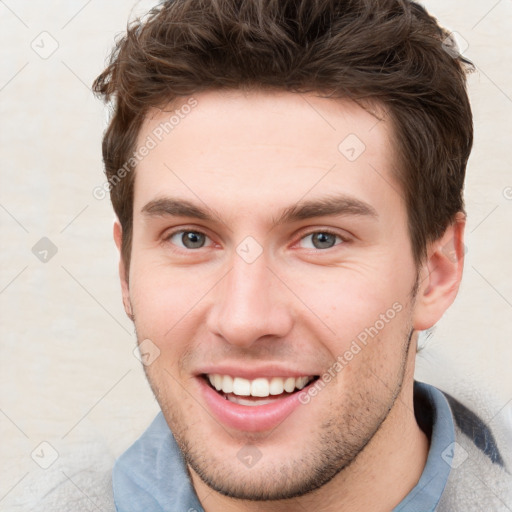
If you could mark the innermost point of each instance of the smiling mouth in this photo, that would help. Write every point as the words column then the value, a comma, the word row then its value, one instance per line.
column 259, row 391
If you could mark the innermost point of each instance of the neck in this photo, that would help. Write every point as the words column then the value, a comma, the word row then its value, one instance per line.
column 389, row 467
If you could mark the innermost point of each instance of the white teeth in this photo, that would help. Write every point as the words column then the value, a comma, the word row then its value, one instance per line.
column 260, row 387
column 227, row 384
column 276, row 386
column 217, row 382
column 289, row 384
column 241, row 387
column 301, row 382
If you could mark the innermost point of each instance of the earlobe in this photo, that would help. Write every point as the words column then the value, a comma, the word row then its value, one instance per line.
column 118, row 239
column 440, row 275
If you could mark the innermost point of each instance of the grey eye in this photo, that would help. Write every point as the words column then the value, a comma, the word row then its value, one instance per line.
column 189, row 239
column 320, row 240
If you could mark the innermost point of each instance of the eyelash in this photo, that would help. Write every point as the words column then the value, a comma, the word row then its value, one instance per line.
column 343, row 239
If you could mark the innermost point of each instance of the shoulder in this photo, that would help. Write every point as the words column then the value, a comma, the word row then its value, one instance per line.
column 86, row 490
column 479, row 478
column 80, row 479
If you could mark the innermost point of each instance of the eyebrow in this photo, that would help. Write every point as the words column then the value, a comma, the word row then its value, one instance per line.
column 178, row 208
column 327, row 206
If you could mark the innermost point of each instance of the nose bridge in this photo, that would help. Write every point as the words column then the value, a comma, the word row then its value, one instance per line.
column 248, row 305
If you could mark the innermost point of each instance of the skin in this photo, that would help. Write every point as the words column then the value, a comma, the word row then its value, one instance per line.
column 248, row 157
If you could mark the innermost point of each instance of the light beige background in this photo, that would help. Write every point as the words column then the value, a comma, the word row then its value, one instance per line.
column 68, row 375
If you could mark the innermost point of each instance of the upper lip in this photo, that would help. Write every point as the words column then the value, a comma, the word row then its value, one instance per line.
column 254, row 372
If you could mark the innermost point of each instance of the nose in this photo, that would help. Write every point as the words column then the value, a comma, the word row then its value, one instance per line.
column 250, row 304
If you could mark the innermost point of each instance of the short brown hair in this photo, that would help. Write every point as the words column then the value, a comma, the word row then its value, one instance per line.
column 391, row 52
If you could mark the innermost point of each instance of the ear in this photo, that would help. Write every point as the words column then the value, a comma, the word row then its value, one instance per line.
column 440, row 275
column 118, row 239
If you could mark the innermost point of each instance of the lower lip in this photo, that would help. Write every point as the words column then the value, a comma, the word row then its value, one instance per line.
column 251, row 418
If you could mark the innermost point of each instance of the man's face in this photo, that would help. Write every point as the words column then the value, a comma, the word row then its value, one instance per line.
column 295, row 255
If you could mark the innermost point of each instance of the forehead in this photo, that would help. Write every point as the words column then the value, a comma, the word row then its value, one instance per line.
column 245, row 150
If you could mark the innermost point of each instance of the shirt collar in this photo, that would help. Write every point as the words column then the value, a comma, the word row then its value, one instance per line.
column 435, row 418
column 152, row 476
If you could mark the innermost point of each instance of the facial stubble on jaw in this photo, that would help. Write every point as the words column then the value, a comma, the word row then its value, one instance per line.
column 335, row 450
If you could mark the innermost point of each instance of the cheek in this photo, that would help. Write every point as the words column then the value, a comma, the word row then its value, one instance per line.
column 362, row 317
column 165, row 302
column 350, row 299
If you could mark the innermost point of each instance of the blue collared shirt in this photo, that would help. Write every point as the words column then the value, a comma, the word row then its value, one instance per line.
column 151, row 476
